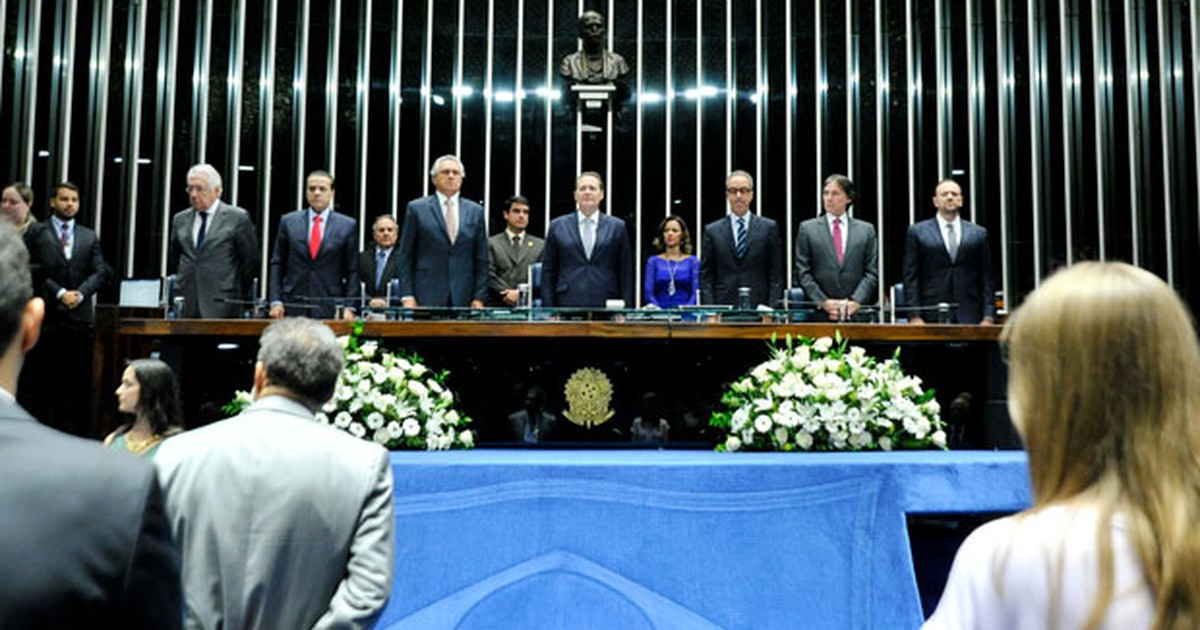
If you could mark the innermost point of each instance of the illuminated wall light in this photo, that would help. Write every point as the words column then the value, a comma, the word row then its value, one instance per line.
column 438, row 100
column 651, row 97
column 824, row 86
column 43, row 153
column 753, row 98
column 708, row 91
column 793, row 90
column 144, row 161
column 691, row 94
column 233, row 81
column 264, row 83
column 246, row 168
column 19, row 54
column 505, row 96
column 424, row 90
column 854, row 78
column 885, row 86
column 298, row 85
column 463, row 91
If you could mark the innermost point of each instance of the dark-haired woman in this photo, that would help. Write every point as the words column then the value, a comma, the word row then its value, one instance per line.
column 150, row 394
column 672, row 276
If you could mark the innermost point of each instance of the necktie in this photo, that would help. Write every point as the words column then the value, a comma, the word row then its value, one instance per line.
column 451, row 220
column 837, row 239
column 380, row 263
column 66, row 240
column 589, row 235
column 740, row 241
column 203, row 229
column 517, row 242
column 952, row 241
column 314, row 239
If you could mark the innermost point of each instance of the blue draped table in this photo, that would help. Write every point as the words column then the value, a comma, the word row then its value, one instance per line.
column 653, row 539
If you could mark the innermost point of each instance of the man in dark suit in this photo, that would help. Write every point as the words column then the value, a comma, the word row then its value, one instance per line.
column 86, row 540
column 836, row 255
column 587, row 259
column 70, row 267
column 756, row 263
column 443, row 244
column 947, row 260
column 379, row 264
column 213, row 250
column 315, row 256
column 511, row 252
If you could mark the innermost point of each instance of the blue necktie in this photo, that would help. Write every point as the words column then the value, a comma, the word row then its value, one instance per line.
column 741, row 237
column 380, row 263
column 203, row 229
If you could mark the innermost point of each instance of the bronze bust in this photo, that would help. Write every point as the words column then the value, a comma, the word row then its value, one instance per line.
column 593, row 64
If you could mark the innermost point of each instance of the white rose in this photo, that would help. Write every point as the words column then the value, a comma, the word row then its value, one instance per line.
column 804, row 440
column 374, row 420
column 418, row 389
column 344, row 393
column 740, row 419
column 368, row 349
column 394, row 429
column 885, row 443
column 322, row 418
column 732, row 443
column 760, row 372
column 452, row 417
column 357, row 430
column 403, row 364
column 446, row 396
column 363, row 386
column 433, row 386
column 800, row 357
column 781, row 435
column 342, row 420
column 344, row 341
column 467, row 438
column 381, row 436
column 330, row 406
column 412, row 428
column 939, row 438
column 356, row 405
column 823, row 344
column 418, row 370
column 762, row 424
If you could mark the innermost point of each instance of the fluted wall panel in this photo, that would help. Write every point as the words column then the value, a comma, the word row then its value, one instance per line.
column 1071, row 124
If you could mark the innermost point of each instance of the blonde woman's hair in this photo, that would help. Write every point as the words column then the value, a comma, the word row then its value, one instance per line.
column 1104, row 385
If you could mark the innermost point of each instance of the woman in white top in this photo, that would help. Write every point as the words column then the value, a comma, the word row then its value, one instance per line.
column 1104, row 386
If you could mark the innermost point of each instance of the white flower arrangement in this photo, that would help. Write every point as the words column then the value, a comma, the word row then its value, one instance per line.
column 392, row 399
column 824, row 395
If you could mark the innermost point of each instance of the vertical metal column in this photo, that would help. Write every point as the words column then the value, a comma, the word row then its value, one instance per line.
column 331, row 85
column 135, row 53
column 1005, row 97
column 299, row 87
column 266, row 136
column 1070, row 82
column 362, row 96
column 64, row 88
column 168, row 62
column 201, row 67
column 237, row 62
column 395, row 100
column 1167, row 143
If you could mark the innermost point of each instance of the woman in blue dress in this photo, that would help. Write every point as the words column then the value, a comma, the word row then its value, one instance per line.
column 672, row 276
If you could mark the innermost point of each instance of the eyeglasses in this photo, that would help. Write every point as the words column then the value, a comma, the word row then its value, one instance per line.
column 191, row 189
column 743, row 191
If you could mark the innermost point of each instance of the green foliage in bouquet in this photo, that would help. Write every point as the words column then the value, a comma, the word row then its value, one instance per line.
column 825, row 395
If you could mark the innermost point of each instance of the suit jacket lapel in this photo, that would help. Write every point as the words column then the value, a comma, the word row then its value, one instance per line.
column 434, row 208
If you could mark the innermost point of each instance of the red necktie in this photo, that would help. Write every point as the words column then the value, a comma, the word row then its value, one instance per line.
column 837, row 239
column 314, row 239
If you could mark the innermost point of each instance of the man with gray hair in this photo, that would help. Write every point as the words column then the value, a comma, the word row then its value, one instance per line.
column 443, row 244
column 284, row 522
column 213, row 250
column 86, row 543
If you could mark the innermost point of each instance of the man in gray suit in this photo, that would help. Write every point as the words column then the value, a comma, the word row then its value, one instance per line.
column 511, row 252
column 213, row 250
column 443, row 244
column 836, row 255
column 284, row 522
column 86, row 542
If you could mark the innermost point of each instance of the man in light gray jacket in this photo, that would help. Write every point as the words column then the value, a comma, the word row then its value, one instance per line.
column 283, row 522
